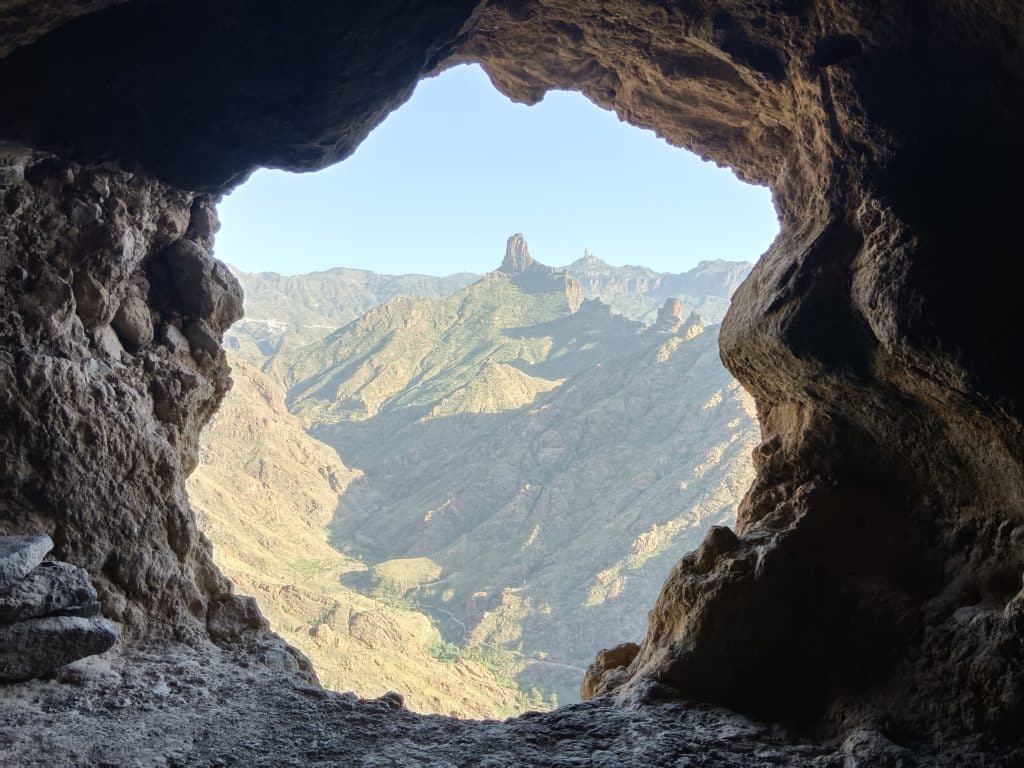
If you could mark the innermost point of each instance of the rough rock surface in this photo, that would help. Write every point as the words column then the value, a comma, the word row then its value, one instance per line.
column 879, row 560
column 51, row 589
column 670, row 317
column 36, row 647
column 201, row 708
column 100, row 421
column 165, row 111
column 876, row 571
column 19, row 555
column 608, row 667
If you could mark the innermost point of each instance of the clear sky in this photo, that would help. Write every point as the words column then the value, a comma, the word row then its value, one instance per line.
column 442, row 183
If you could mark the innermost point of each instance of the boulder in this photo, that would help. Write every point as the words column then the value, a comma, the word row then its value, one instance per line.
column 20, row 554
column 37, row 647
column 608, row 670
column 232, row 615
column 133, row 323
column 93, row 300
column 207, row 290
column 51, row 589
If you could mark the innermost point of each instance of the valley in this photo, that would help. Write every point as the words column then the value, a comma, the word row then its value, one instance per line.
column 415, row 482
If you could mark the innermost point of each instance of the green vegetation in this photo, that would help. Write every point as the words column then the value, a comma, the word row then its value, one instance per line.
column 270, row 538
column 284, row 312
column 309, row 568
column 396, row 578
column 452, row 355
column 529, row 469
column 444, row 651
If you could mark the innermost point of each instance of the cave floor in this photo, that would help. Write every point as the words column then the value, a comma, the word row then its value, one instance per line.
column 177, row 706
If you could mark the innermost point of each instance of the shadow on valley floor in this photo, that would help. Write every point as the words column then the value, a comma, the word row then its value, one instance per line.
column 537, row 536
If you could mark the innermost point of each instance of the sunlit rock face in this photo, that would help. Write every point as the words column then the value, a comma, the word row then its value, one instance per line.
column 877, row 562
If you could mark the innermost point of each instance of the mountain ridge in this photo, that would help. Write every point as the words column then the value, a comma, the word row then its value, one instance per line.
column 512, row 463
column 288, row 311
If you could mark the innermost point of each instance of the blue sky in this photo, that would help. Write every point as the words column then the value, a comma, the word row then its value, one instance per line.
column 440, row 185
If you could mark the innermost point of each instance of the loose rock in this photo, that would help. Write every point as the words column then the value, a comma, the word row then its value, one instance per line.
column 37, row 647
column 51, row 589
column 20, row 554
column 608, row 670
column 133, row 323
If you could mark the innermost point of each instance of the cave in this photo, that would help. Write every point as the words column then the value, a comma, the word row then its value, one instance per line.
column 867, row 608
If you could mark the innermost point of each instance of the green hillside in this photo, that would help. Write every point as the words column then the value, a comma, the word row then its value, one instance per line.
column 265, row 493
column 288, row 311
column 528, row 462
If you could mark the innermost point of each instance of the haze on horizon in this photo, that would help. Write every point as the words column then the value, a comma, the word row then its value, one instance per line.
column 441, row 184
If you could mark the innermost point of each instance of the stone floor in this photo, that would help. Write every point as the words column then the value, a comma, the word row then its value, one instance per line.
column 178, row 707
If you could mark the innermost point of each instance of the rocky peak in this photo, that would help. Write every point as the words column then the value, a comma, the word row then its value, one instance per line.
column 517, row 256
column 589, row 262
column 533, row 277
column 670, row 316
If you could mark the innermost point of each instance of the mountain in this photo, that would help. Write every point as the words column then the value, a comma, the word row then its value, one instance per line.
column 523, row 463
column 433, row 355
column 509, row 436
column 264, row 493
column 294, row 310
column 638, row 292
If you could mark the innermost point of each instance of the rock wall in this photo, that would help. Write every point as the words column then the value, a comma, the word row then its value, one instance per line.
column 876, row 566
column 110, row 326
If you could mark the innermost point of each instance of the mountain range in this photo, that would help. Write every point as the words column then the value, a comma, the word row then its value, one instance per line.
column 293, row 310
column 501, row 469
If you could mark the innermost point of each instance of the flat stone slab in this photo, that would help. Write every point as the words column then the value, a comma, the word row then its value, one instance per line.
column 51, row 589
column 20, row 554
column 37, row 647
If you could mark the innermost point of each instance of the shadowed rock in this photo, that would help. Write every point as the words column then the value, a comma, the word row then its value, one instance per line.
column 36, row 647
column 878, row 553
column 49, row 590
column 20, row 554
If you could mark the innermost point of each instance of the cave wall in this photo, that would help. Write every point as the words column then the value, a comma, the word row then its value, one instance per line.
column 111, row 320
column 875, row 570
column 878, row 562
column 118, row 118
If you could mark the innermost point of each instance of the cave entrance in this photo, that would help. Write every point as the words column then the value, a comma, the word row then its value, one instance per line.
column 446, row 468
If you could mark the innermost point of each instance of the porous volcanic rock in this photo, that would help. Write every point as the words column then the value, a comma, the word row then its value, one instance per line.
column 604, row 673
column 201, row 707
column 36, row 647
column 97, row 435
column 51, row 589
column 876, row 568
column 19, row 555
column 879, row 552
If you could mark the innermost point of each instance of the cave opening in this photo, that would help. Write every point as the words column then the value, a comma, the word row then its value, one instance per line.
column 426, row 419
column 870, row 591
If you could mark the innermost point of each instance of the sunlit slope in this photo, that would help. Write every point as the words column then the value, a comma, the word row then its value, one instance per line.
column 290, row 311
column 434, row 356
column 264, row 493
column 638, row 292
column 553, row 458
